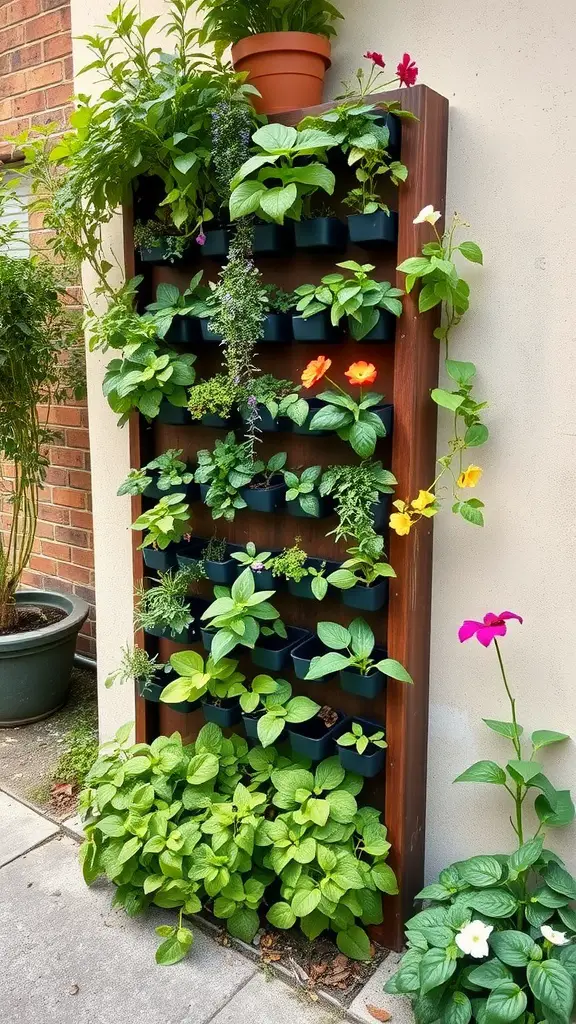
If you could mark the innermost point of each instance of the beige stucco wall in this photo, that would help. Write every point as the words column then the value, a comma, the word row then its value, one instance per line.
column 506, row 69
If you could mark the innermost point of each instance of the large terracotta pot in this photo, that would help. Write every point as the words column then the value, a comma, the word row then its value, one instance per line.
column 287, row 68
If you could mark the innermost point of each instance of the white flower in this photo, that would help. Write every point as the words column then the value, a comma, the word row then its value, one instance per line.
column 428, row 215
column 473, row 939
column 556, row 938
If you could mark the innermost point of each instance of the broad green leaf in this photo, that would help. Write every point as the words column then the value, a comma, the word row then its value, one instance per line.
column 558, row 879
column 245, row 198
column 202, row 768
column 484, row 771
column 493, row 902
column 436, row 967
column 269, row 729
column 507, row 729
column 305, row 901
column 456, row 1008
column 506, row 1003
column 514, row 948
column 523, row 771
column 275, row 202
column 301, row 709
column 275, row 138
column 471, row 251
column 343, row 806
column 354, row 943
column 244, row 924
column 329, row 774
column 416, row 266
column 476, row 435
column 552, row 985
column 544, row 737
column 281, row 915
column 333, row 635
column 314, row 924
column 490, row 974
column 480, row 871
column 384, row 877
column 524, row 857
column 446, row 399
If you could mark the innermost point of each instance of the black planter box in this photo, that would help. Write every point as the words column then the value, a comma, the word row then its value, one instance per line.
column 394, row 125
column 368, row 686
column 162, row 560
column 277, row 327
column 216, row 244
column 151, row 692
column 159, row 255
column 371, row 762
column 224, row 572
column 250, row 723
column 188, row 553
column 312, row 739
column 177, row 416
column 207, row 334
column 367, row 599
column 184, row 330
column 373, row 230
column 273, row 652
column 264, row 499
column 272, row 239
column 315, row 328
column 294, row 508
column 218, row 422
column 321, row 234
column 302, row 657
column 187, row 636
column 266, row 422
column 380, row 512
column 225, row 714
column 263, row 580
column 385, row 329
column 207, row 637
column 315, row 404
column 385, row 414
column 304, row 587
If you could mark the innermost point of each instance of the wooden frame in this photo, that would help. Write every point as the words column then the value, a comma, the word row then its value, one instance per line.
column 408, row 372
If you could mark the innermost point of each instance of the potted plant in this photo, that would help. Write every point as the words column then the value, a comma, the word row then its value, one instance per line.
column 196, row 679
column 360, row 422
column 266, row 490
column 357, row 495
column 38, row 629
column 165, row 525
column 238, row 616
column 275, row 646
column 276, row 403
column 283, row 51
column 260, row 564
column 320, row 229
column 144, row 376
column 363, row 668
column 165, row 610
column 157, row 243
column 176, row 315
column 278, row 709
column 369, row 306
column 166, row 474
column 367, row 574
column 360, row 751
column 223, row 473
column 212, row 401
column 302, row 497
column 218, row 562
column 173, row 415
column 278, row 321
column 150, row 675
column 314, row 738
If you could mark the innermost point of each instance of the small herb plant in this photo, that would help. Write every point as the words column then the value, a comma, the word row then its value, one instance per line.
column 280, row 177
column 144, row 375
column 279, row 300
column 196, row 678
column 164, row 606
column 304, row 488
column 357, row 297
column 366, row 565
column 214, row 397
column 355, row 489
column 358, row 643
column 227, row 469
column 358, row 739
column 170, row 303
column 215, row 550
column 135, row 663
column 167, row 523
column 239, row 616
column 255, row 560
column 169, row 471
column 152, row 234
column 352, row 420
column 227, row 21
column 279, row 397
column 290, row 563
column 279, row 707
column 263, row 473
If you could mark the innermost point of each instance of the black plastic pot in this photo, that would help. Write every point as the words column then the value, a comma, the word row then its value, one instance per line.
column 385, row 329
column 250, row 723
column 176, row 415
column 386, row 414
column 265, row 499
column 277, row 327
column 294, row 508
column 302, row 657
column 312, row 739
column 272, row 239
column 273, row 652
column 35, row 667
column 225, row 714
column 367, row 599
column 317, row 328
column 371, row 762
column 266, row 422
column 314, row 404
column 189, row 635
column 184, row 330
column 207, row 334
column 207, row 637
column 218, row 422
column 380, row 512
column 188, row 553
column 263, row 580
column 160, row 255
column 223, row 572
column 373, row 230
column 321, row 234
column 152, row 490
column 162, row 560
column 151, row 691
column 216, row 244
column 368, row 686
column 304, row 587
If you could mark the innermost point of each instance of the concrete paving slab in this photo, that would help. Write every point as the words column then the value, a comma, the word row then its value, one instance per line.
column 74, row 824
column 269, row 1001
column 373, row 994
column 20, row 828
column 67, row 958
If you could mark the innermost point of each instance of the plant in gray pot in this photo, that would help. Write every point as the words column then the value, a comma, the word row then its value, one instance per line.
column 38, row 629
column 165, row 610
column 217, row 686
column 351, row 652
column 165, row 525
column 364, row 576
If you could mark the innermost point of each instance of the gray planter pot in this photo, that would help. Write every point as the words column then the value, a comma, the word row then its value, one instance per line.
column 35, row 667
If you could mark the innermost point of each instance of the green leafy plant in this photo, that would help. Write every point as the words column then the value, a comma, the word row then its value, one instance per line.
column 366, row 565
column 215, row 397
column 152, row 234
column 227, row 469
column 215, row 550
column 357, row 297
column 164, row 606
column 290, row 563
column 135, row 663
column 195, row 678
column 251, row 558
column 355, row 489
column 166, row 523
column 239, row 616
column 144, row 376
column 171, row 302
column 357, row 738
column 279, row 397
column 263, row 473
column 280, row 178
column 358, row 643
column 279, row 707
column 168, row 469
column 304, row 488
column 226, row 21
column 354, row 421
column 279, row 300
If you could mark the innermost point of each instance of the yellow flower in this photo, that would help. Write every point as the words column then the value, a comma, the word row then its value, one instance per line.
column 401, row 521
column 424, row 499
column 470, row 477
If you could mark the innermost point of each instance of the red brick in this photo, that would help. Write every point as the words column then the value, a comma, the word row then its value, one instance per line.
column 83, row 520
column 71, row 499
column 82, row 556
column 58, row 95
column 77, row 438
column 86, row 593
column 71, row 536
column 45, row 493
column 80, row 478
column 84, row 416
column 74, row 458
column 50, row 5
column 85, row 645
column 54, row 515
column 55, row 550
column 5, row 69
column 68, row 69
column 54, row 118
column 44, row 530
column 63, row 415
column 75, row 573
column 21, row 10
column 14, row 85
column 57, row 46
column 31, row 103
column 56, row 476
column 5, row 110
column 26, row 57
column 46, row 25
column 32, row 579
column 44, row 564
column 46, row 74
column 12, row 37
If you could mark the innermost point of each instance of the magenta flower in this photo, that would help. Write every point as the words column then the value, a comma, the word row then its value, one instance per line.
column 200, row 238
column 487, row 630
column 376, row 58
column 407, row 71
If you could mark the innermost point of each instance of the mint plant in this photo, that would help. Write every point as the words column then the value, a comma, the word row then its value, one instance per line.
column 357, row 297
column 167, row 523
column 196, row 678
column 358, row 644
column 280, row 708
column 239, row 615
column 357, row 738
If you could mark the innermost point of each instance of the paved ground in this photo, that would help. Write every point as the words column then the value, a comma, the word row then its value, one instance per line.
column 68, row 959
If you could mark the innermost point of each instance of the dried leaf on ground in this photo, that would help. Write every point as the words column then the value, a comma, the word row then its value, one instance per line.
column 378, row 1013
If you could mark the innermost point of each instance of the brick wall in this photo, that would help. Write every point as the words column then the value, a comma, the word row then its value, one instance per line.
column 36, row 87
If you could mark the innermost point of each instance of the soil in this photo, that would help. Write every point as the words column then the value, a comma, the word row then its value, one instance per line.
column 33, row 616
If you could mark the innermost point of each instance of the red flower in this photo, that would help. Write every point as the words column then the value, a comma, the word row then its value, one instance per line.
column 487, row 630
column 376, row 58
column 407, row 71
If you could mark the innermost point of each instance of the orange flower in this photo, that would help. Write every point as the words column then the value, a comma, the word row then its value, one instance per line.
column 315, row 371
column 361, row 373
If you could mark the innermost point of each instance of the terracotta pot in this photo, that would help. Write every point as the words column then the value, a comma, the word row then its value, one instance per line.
column 287, row 68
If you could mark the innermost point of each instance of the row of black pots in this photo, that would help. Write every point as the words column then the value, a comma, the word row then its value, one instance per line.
column 318, row 234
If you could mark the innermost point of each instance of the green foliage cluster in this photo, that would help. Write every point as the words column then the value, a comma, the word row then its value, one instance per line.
column 166, row 523
column 166, row 470
column 240, row 615
column 352, row 647
column 165, row 606
column 226, row 21
column 357, row 297
column 242, row 831
column 360, row 740
column 355, row 490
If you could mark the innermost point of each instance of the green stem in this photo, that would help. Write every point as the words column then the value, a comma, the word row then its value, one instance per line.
column 515, row 739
